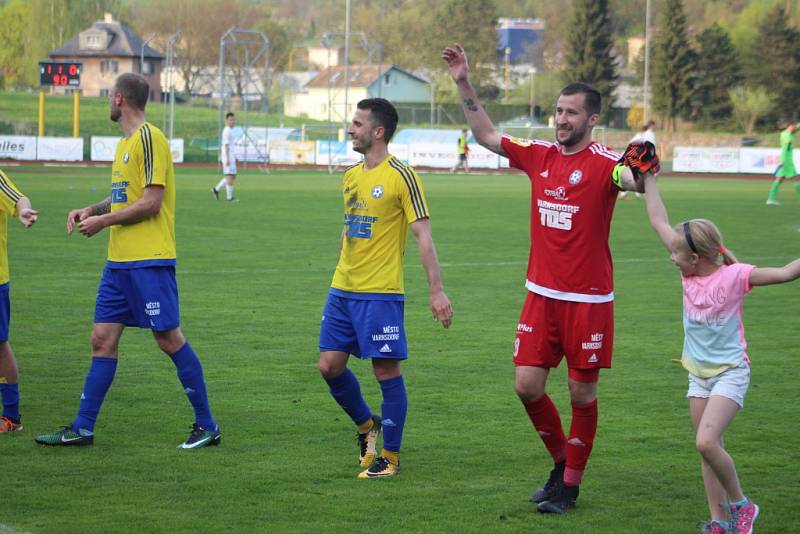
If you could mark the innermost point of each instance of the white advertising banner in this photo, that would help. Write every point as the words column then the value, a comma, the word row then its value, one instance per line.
column 762, row 160
column 705, row 159
column 292, row 152
column 176, row 147
column 104, row 148
column 443, row 156
column 59, row 148
column 336, row 153
column 17, row 147
column 400, row 151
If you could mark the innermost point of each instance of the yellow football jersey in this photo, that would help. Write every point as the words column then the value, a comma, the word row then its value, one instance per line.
column 379, row 204
column 9, row 196
column 142, row 160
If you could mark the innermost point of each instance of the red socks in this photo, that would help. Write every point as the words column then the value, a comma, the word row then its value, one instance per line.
column 544, row 416
column 581, row 439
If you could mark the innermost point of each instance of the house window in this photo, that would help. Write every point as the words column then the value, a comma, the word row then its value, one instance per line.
column 109, row 66
column 148, row 68
column 104, row 92
column 386, row 79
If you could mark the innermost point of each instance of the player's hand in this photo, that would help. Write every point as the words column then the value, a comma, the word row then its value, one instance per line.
column 91, row 225
column 76, row 216
column 442, row 311
column 457, row 62
column 28, row 216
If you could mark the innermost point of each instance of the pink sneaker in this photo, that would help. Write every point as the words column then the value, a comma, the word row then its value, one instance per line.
column 712, row 527
column 743, row 517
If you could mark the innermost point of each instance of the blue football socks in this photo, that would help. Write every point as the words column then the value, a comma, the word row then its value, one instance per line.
column 393, row 412
column 10, row 395
column 190, row 373
column 346, row 390
column 99, row 379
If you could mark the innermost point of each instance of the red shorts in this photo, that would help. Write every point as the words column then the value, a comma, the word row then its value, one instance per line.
column 550, row 329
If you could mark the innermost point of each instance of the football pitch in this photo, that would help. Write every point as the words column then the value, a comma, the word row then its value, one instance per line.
column 253, row 277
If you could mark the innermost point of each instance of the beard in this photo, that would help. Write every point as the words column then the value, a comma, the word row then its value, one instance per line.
column 115, row 114
column 575, row 136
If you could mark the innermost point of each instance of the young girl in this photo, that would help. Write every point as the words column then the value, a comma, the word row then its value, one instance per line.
column 714, row 349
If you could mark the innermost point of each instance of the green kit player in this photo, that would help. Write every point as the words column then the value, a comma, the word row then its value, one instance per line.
column 785, row 168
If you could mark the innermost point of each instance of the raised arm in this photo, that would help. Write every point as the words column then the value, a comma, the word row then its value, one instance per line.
column 440, row 304
column 657, row 212
column 764, row 276
column 479, row 122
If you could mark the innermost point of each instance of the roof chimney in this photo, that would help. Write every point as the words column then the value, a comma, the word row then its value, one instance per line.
column 108, row 18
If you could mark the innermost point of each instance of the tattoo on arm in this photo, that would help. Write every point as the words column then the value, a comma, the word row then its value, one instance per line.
column 102, row 207
column 470, row 105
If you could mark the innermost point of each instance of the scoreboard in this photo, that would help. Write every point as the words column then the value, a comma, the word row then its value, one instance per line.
column 64, row 74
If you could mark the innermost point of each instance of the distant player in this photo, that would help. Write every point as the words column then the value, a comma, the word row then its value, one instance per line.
column 138, row 286
column 714, row 287
column 462, row 151
column 569, row 306
column 647, row 133
column 228, row 158
column 12, row 202
column 364, row 312
column 785, row 170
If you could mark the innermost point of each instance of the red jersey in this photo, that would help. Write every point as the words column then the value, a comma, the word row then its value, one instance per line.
column 572, row 201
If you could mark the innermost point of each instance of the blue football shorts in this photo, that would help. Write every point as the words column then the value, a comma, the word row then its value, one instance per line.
column 146, row 297
column 5, row 312
column 363, row 328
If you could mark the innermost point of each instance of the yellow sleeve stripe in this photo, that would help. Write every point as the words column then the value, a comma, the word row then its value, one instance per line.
column 147, row 148
column 413, row 187
column 8, row 189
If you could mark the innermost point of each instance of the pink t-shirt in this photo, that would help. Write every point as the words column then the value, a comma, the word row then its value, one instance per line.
column 712, row 320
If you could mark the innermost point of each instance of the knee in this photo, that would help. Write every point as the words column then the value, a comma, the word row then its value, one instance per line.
column 102, row 344
column 527, row 393
column 385, row 369
column 705, row 445
column 170, row 342
column 329, row 369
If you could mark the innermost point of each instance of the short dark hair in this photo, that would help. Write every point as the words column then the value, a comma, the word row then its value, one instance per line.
column 134, row 88
column 383, row 114
column 229, row 114
column 593, row 102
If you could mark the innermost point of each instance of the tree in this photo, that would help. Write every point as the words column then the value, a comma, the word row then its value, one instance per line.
column 16, row 17
column 717, row 71
column 674, row 65
column 750, row 105
column 779, row 65
column 589, row 56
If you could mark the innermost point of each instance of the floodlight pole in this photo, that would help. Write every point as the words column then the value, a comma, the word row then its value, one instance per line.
column 346, row 61
column 141, row 54
column 170, row 85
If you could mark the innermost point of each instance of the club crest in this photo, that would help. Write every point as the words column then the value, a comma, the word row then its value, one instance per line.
column 377, row 191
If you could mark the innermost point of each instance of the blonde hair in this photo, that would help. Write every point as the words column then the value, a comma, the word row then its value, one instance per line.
column 704, row 239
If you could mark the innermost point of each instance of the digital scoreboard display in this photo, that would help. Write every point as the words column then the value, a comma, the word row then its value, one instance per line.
column 60, row 74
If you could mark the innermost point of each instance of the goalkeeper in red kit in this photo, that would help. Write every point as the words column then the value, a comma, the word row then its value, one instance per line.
column 568, row 311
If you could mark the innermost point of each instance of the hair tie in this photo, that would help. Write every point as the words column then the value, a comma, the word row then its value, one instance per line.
column 722, row 250
column 687, row 232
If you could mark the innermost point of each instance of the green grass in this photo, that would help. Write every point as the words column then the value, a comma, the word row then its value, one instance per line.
column 253, row 278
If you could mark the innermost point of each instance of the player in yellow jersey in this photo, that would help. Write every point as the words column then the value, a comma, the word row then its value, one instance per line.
column 12, row 202
column 138, row 286
column 364, row 312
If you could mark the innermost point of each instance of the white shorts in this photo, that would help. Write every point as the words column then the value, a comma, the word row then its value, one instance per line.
column 230, row 168
column 731, row 384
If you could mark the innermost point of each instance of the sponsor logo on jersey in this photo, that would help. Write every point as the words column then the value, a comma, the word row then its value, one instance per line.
column 558, row 216
column 359, row 226
column 575, row 177
column 377, row 191
column 559, row 193
column 522, row 327
column 355, row 204
column 595, row 343
column 152, row 308
column 520, row 142
column 389, row 333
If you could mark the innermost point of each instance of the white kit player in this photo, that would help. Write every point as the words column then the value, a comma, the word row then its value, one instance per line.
column 228, row 159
